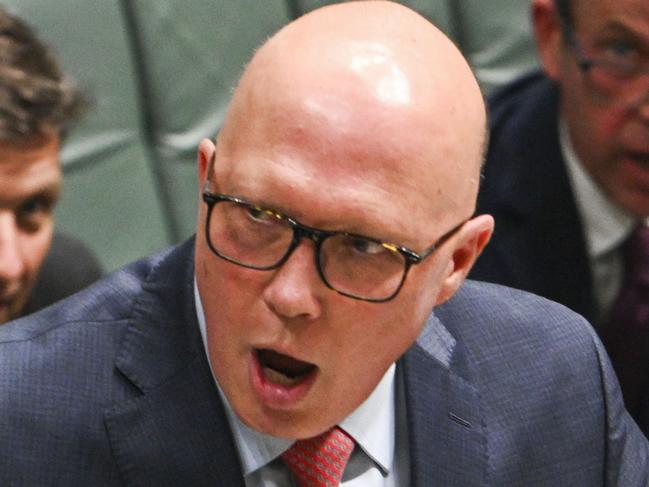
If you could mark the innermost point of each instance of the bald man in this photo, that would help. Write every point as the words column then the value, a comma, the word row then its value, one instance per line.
column 318, row 330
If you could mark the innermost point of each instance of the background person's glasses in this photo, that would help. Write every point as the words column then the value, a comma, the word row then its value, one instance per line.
column 353, row 265
column 617, row 67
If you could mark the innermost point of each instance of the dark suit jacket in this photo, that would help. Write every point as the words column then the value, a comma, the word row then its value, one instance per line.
column 539, row 243
column 68, row 268
column 112, row 387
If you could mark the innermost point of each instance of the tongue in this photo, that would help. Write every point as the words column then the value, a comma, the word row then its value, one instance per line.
column 288, row 366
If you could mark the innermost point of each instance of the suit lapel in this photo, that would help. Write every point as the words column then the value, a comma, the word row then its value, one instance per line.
column 176, row 431
column 445, row 424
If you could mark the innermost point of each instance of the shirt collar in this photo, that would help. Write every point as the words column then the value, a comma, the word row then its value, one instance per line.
column 606, row 225
column 372, row 424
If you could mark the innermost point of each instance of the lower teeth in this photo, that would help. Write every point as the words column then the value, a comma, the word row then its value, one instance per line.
column 280, row 378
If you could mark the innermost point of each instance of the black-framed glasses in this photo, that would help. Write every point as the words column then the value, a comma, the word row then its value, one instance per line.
column 613, row 65
column 353, row 265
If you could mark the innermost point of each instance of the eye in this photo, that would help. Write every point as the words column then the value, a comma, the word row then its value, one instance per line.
column 32, row 213
column 621, row 55
column 365, row 246
column 620, row 48
column 263, row 216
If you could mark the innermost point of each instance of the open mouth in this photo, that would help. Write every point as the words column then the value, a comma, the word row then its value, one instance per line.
column 283, row 369
column 641, row 158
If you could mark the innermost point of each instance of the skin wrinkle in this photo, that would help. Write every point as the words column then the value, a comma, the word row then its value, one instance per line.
column 307, row 136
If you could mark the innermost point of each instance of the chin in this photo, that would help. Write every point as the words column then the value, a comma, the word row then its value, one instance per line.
column 284, row 425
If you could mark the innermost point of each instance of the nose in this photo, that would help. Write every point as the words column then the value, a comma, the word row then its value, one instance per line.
column 11, row 262
column 294, row 289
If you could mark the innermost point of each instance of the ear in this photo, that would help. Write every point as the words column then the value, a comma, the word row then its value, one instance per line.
column 549, row 36
column 469, row 243
column 206, row 150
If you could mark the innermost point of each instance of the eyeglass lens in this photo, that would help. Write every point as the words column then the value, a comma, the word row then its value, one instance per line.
column 618, row 68
column 259, row 238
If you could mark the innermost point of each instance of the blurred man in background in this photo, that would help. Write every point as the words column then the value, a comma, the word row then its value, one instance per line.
column 37, row 102
column 567, row 177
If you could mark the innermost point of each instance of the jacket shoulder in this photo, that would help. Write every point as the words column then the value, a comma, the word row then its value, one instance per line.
column 58, row 376
column 547, row 389
column 108, row 300
column 500, row 316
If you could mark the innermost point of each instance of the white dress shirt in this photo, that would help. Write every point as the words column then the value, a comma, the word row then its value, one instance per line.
column 606, row 226
column 378, row 426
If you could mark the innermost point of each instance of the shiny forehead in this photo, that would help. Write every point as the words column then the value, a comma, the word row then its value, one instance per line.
column 359, row 98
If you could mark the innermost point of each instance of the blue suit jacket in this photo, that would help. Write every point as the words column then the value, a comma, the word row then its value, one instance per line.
column 539, row 243
column 112, row 387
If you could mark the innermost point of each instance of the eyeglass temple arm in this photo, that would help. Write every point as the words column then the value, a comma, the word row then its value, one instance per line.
column 416, row 258
column 569, row 34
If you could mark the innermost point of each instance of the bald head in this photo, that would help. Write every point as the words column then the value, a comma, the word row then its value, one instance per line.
column 359, row 118
column 367, row 88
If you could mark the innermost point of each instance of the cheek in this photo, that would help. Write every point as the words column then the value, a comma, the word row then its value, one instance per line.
column 607, row 124
column 425, row 284
column 397, row 335
column 601, row 148
column 225, row 287
column 405, row 320
column 596, row 123
column 226, row 316
column 36, row 246
column 395, row 326
column 230, row 295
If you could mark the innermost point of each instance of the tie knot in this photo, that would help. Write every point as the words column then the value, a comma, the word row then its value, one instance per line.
column 320, row 461
column 636, row 255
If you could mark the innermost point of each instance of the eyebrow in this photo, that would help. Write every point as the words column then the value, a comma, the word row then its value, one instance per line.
column 351, row 230
column 50, row 191
column 620, row 27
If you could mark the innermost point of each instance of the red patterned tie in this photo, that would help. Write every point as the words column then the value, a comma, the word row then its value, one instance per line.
column 320, row 461
column 627, row 336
